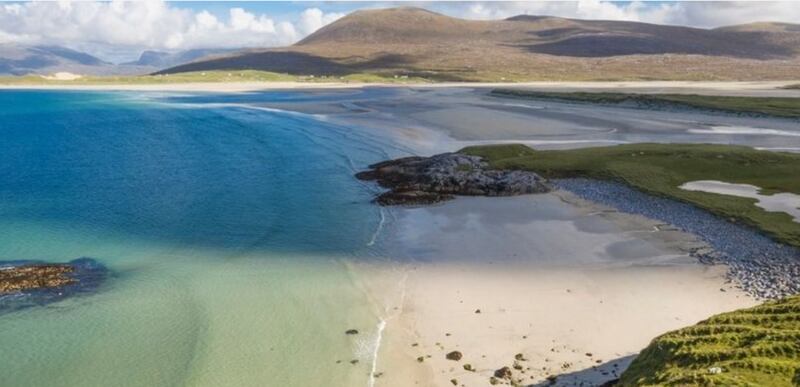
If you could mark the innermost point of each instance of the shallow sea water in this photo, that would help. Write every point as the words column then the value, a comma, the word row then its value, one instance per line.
column 225, row 228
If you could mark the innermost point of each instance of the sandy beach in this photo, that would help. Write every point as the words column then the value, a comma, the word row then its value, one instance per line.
column 762, row 88
column 580, row 306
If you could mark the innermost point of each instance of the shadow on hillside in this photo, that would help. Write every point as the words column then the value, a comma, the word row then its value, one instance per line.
column 600, row 375
column 297, row 63
column 582, row 43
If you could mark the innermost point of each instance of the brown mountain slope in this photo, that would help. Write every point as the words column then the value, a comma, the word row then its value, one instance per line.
column 412, row 41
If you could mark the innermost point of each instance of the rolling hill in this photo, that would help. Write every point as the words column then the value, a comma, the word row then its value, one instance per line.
column 161, row 59
column 21, row 60
column 17, row 59
column 417, row 42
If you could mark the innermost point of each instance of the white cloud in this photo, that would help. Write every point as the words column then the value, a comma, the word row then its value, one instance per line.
column 119, row 30
column 689, row 13
column 98, row 26
column 313, row 19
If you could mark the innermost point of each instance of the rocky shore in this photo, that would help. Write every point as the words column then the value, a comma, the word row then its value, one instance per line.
column 428, row 180
column 34, row 276
column 759, row 265
column 29, row 283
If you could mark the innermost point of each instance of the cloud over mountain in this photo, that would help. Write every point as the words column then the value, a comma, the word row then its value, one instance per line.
column 149, row 24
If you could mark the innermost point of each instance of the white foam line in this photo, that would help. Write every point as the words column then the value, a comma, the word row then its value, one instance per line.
column 382, row 326
column 378, row 229
column 378, row 339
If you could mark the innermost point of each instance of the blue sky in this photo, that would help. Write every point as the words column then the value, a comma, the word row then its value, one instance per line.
column 120, row 30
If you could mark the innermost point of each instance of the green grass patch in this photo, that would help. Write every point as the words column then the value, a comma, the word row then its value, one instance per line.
column 759, row 346
column 661, row 168
column 766, row 106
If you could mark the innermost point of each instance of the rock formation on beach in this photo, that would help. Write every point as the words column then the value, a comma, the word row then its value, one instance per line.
column 428, row 180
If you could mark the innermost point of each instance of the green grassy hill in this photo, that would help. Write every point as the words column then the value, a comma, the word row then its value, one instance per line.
column 661, row 168
column 759, row 346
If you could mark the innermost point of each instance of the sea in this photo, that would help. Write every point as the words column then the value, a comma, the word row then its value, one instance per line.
column 227, row 230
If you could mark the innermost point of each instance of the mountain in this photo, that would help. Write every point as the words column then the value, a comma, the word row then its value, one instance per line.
column 21, row 60
column 16, row 59
column 413, row 41
column 161, row 60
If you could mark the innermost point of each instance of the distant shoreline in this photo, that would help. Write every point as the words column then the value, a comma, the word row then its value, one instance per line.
column 755, row 88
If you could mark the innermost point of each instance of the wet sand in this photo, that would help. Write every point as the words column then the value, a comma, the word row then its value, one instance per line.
column 554, row 278
column 451, row 118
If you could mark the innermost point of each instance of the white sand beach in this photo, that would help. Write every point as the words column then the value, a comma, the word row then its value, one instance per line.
column 754, row 88
column 575, row 288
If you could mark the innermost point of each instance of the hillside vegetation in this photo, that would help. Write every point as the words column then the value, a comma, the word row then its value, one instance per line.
column 661, row 168
column 759, row 346
column 769, row 106
column 417, row 42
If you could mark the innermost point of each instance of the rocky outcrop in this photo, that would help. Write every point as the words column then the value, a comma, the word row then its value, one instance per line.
column 30, row 283
column 34, row 276
column 428, row 180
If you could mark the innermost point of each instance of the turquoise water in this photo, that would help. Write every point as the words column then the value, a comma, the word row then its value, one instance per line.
column 227, row 230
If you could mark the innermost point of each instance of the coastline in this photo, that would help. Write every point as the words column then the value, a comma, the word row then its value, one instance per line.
column 554, row 313
column 701, row 87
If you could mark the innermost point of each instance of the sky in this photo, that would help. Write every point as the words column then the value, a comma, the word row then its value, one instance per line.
column 120, row 30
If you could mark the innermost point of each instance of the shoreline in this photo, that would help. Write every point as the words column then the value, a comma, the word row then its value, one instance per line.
column 703, row 87
column 551, row 313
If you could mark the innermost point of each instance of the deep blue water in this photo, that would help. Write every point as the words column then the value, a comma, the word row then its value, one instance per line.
column 152, row 167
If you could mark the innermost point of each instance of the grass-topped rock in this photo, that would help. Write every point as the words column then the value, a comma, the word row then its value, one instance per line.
column 759, row 346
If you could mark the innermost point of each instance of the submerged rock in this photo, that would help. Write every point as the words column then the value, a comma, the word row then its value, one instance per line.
column 503, row 373
column 428, row 180
column 455, row 355
column 31, row 283
column 34, row 276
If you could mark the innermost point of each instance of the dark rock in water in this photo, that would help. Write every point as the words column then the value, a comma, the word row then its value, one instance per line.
column 503, row 373
column 351, row 332
column 428, row 180
column 32, row 283
column 455, row 355
column 34, row 276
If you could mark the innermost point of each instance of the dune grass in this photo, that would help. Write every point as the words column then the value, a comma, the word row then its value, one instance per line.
column 208, row 77
column 660, row 169
column 758, row 346
column 766, row 106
